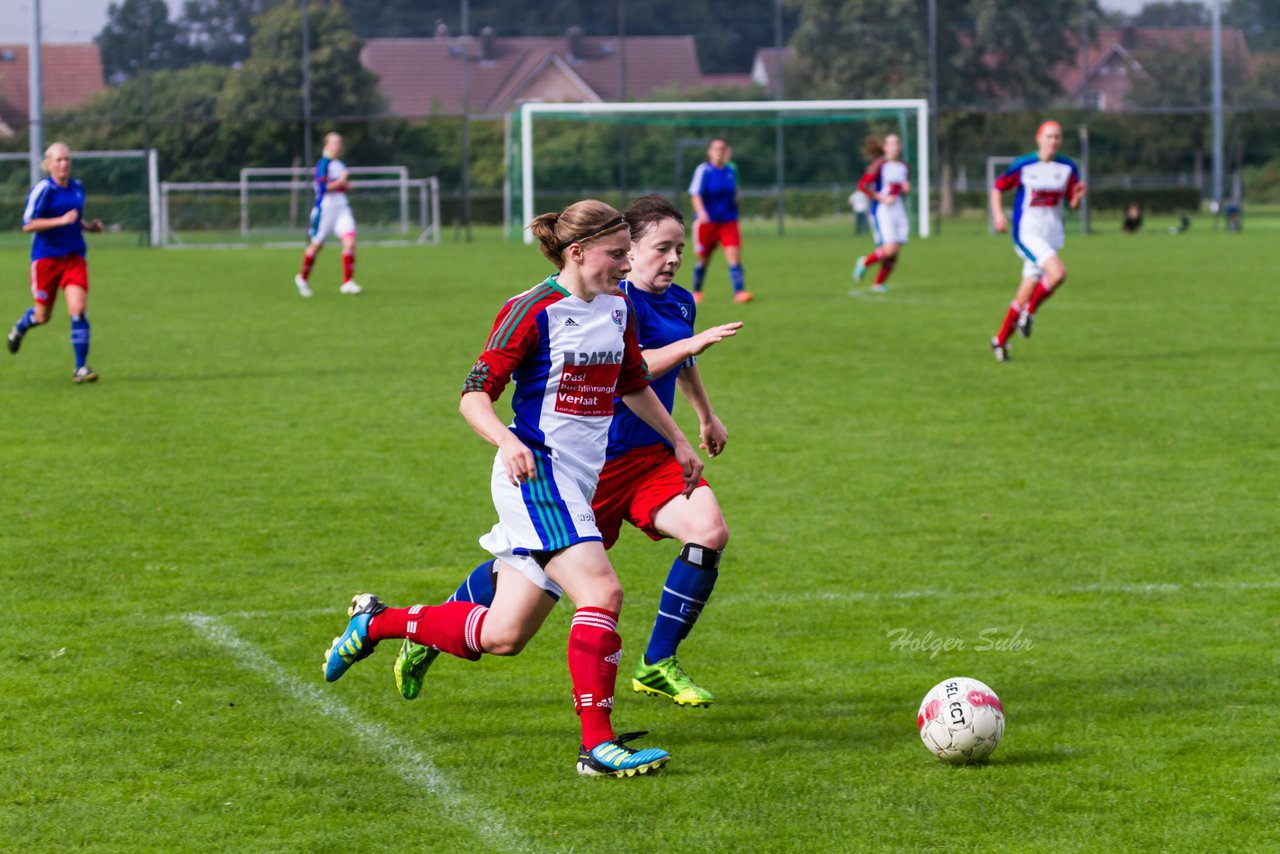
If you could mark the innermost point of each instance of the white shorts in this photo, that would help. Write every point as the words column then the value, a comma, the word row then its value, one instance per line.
column 1034, row 250
column 331, row 220
column 547, row 514
column 890, row 223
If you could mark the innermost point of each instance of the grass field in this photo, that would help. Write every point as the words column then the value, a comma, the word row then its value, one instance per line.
column 180, row 539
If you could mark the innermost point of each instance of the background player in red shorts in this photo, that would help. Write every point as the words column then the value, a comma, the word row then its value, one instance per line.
column 714, row 192
column 54, row 217
column 642, row 480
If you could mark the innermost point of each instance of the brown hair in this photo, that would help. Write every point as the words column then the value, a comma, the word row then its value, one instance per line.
column 581, row 222
column 873, row 147
column 648, row 211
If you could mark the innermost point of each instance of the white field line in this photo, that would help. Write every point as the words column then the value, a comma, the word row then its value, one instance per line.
column 1098, row 588
column 395, row 753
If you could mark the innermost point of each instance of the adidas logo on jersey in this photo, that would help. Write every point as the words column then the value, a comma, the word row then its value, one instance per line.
column 569, row 321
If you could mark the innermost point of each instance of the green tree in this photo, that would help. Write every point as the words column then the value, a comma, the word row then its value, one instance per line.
column 262, row 102
column 1181, row 13
column 139, row 35
column 220, row 31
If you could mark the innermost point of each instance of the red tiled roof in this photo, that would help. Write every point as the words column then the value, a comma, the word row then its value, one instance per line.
column 424, row 76
column 71, row 73
column 1111, row 41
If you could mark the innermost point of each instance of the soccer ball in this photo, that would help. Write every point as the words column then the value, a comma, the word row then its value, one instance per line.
column 961, row 720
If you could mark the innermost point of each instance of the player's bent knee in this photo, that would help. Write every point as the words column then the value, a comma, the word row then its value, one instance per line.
column 506, row 640
column 711, row 534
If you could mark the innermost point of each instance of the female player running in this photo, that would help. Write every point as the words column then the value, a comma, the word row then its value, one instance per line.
column 54, row 216
column 570, row 344
column 331, row 215
column 886, row 181
column 714, row 193
column 1043, row 180
column 643, row 480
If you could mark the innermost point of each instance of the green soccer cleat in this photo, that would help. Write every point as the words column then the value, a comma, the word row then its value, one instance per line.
column 411, row 667
column 666, row 678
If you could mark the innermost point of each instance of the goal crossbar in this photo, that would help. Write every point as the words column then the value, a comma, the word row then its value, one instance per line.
column 529, row 111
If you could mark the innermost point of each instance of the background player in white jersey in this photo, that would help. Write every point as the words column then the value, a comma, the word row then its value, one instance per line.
column 1044, row 180
column 569, row 344
column 886, row 181
column 331, row 215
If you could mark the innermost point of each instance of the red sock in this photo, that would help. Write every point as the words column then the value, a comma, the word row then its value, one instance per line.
column 308, row 259
column 1039, row 295
column 873, row 258
column 1010, row 321
column 348, row 265
column 453, row 627
column 885, row 269
column 594, row 651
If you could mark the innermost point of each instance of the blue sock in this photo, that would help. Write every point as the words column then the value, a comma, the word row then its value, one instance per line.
column 80, row 338
column 699, row 273
column 735, row 276
column 25, row 322
column 478, row 586
column 686, row 591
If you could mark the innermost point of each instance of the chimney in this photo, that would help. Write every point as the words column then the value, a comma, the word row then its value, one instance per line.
column 488, row 46
column 577, row 50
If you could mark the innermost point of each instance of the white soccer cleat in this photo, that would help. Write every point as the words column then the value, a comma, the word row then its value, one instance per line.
column 303, row 288
column 350, row 288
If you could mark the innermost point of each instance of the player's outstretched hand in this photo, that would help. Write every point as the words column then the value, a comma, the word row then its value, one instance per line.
column 699, row 343
column 70, row 216
column 691, row 463
column 93, row 225
column 517, row 459
column 713, row 435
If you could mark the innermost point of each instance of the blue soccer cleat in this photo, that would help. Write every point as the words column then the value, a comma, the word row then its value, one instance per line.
column 860, row 269
column 353, row 644
column 616, row 759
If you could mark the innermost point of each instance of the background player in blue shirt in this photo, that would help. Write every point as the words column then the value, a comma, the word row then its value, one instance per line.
column 54, row 217
column 714, row 192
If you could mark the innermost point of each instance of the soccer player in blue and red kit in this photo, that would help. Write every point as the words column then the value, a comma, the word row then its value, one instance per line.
column 642, row 481
column 569, row 344
column 331, row 214
column 1045, row 180
column 714, row 192
column 54, row 216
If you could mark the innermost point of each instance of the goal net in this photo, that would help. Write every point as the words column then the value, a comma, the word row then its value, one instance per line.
column 272, row 207
column 795, row 159
column 121, row 189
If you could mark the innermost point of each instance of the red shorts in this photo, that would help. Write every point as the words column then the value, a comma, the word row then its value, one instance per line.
column 634, row 486
column 709, row 234
column 50, row 274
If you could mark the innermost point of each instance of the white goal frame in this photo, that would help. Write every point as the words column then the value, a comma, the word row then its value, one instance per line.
column 152, row 165
column 306, row 175
column 529, row 111
column 427, row 189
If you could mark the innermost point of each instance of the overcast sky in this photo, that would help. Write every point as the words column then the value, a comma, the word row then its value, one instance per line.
column 81, row 20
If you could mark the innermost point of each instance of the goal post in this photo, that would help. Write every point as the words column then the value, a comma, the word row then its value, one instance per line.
column 122, row 187
column 706, row 115
column 232, row 214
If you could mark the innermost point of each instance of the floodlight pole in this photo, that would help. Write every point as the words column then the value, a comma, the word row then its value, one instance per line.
column 780, row 164
column 933, row 100
column 306, row 83
column 1217, row 110
column 35, row 67
column 466, row 118
column 1084, row 105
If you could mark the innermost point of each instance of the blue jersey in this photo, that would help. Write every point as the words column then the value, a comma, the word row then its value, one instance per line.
column 661, row 319
column 48, row 200
column 718, row 187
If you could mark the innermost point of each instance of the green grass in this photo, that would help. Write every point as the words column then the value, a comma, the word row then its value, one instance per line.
column 178, row 541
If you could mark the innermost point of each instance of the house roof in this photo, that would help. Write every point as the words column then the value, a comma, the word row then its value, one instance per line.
column 420, row 77
column 71, row 73
column 1120, row 45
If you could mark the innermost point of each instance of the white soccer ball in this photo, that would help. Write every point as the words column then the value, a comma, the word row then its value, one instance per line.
column 961, row 720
